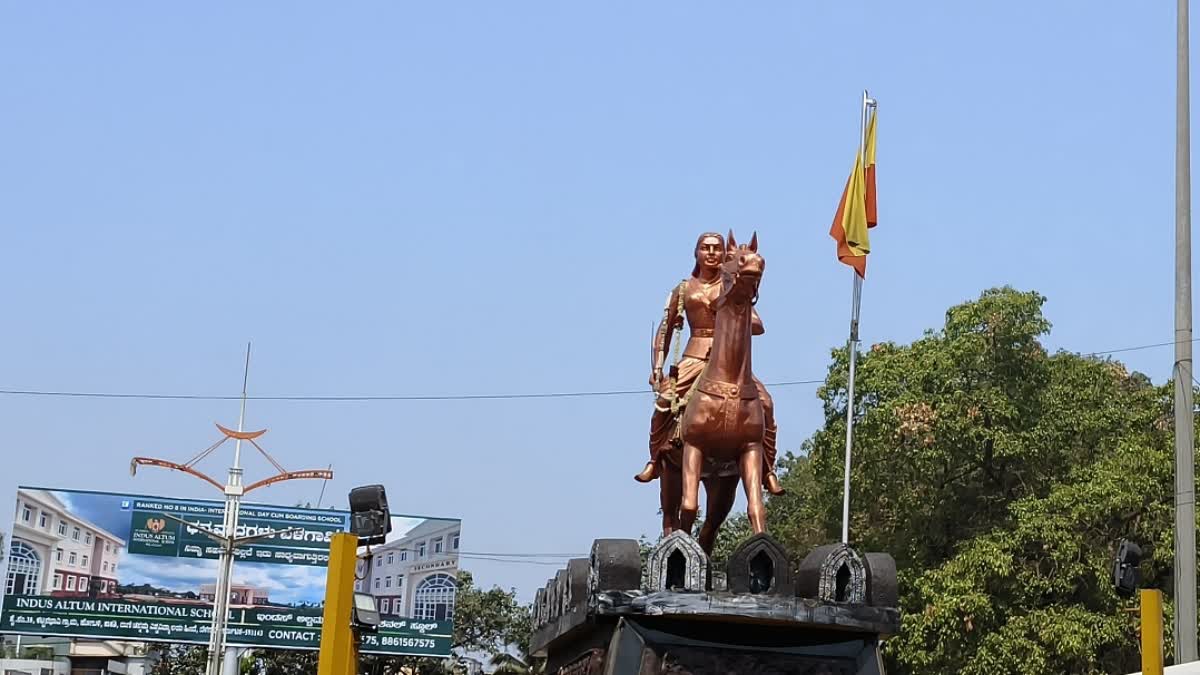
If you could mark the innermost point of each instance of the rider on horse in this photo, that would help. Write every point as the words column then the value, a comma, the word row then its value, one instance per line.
column 696, row 295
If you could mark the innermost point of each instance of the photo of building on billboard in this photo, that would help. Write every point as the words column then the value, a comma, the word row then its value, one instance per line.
column 115, row 566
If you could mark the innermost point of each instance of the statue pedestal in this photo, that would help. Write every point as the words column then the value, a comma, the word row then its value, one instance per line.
column 615, row 615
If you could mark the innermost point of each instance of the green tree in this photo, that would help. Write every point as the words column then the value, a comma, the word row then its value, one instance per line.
column 1000, row 477
column 176, row 659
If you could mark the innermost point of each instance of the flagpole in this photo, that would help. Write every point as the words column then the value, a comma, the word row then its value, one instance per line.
column 852, row 342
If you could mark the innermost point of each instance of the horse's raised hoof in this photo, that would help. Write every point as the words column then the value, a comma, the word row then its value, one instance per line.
column 772, row 484
column 648, row 474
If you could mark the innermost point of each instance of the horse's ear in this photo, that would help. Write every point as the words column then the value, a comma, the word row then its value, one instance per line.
column 730, row 243
column 754, row 242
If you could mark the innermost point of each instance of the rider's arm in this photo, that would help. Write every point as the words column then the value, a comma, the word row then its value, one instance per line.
column 756, row 324
column 671, row 322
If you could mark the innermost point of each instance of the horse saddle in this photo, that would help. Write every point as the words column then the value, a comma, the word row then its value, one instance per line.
column 728, row 390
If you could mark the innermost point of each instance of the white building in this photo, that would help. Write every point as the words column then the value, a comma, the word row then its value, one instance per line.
column 415, row 576
column 55, row 552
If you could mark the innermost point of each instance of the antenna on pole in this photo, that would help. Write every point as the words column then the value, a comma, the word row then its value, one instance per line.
column 321, row 497
column 237, row 446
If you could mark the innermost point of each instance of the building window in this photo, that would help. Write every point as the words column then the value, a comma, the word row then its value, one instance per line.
column 377, row 581
column 62, row 528
column 421, row 550
column 455, row 541
column 24, row 570
column 434, row 599
column 387, row 582
column 385, row 606
column 44, row 521
column 399, row 580
column 403, row 556
column 58, row 555
column 87, row 538
column 57, row 581
column 106, row 547
column 105, row 565
column 26, row 513
column 437, row 545
column 70, row 583
column 75, row 534
column 74, row 557
column 85, row 559
column 114, row 568
column 83, row 584
column 391, row 558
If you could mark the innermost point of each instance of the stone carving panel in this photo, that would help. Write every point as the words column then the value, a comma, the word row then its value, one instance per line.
column 677, row 563
column 760, row 566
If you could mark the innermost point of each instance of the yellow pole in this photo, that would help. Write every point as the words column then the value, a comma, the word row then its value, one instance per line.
column 1152, row 631
column 338, row 651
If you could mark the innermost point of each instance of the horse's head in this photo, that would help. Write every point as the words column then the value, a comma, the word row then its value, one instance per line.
column 741, row 272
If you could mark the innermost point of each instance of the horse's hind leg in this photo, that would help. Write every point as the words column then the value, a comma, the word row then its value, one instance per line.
column 721, row 492
column 689, row 505
column 752, row 478
column 670, row 491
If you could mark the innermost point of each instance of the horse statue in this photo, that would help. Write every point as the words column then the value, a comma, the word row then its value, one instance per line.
column 722, row 425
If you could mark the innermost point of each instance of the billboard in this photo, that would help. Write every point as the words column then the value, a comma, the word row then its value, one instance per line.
column 114, row 566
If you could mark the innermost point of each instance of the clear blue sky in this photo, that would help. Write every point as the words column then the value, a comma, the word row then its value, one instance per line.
column 478, row 197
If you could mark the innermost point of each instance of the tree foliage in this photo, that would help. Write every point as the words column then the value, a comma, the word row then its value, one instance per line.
column 1001, row 478
column 176, row 659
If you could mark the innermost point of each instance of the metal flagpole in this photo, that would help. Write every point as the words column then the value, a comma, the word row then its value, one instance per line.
column 1185, row 493
column 852, row 342
column 233, row 502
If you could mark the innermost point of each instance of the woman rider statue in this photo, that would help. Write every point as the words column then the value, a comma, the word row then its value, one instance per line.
column 700, row 291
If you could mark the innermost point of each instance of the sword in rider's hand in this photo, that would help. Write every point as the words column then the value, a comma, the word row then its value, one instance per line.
column 653, row 355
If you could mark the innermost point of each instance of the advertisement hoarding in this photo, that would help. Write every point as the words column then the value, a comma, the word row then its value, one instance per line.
column 116, row 566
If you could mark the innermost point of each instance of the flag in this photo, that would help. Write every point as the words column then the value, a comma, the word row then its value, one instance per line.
column 858, row 210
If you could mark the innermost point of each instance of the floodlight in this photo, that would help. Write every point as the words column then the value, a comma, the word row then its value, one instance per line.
column 365, row 616
column 1126, row 577
column 369, row 516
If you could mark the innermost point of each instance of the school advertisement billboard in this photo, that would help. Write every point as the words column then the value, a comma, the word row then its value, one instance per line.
column 101, row 565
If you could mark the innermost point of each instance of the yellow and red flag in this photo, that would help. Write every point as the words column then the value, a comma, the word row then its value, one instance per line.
column 857, row 212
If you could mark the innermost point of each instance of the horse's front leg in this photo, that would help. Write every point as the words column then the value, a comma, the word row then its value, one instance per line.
column 689, row 505
column 752, row 479
column 670, row 486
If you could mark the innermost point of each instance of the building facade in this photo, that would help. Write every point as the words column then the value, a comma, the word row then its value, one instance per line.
column 55, row 552
column 240, row 595
column 415, row 576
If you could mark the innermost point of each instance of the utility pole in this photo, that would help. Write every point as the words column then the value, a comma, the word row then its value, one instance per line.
column 1185, row 483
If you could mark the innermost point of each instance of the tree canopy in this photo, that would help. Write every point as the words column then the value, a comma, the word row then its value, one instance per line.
column 1001, row 477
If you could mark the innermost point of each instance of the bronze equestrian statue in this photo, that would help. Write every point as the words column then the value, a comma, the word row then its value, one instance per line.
column 718, row 296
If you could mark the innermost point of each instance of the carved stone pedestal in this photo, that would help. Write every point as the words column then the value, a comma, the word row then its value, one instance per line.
column 612, row 615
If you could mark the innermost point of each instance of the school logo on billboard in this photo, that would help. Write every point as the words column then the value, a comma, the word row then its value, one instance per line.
column 151, row 577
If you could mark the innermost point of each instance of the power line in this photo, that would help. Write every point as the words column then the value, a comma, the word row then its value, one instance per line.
column 512, row 396
column 545, row 563
column 526, row 555
column 1138, row 348
column 406, row 397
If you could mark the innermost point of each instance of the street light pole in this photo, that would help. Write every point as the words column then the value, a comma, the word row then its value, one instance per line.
column 227, row 539
column 233, row 503
column 1185, row 485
